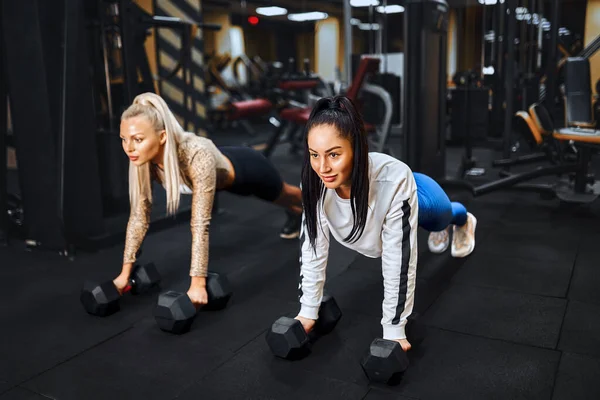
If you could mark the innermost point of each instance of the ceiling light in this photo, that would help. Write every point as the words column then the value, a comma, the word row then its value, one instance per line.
column 307, row 16
column 392, row 9
column 271, row 11
column 490, row 2
column 364, row 3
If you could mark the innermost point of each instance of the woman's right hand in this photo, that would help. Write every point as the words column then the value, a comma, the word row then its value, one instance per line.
column 307, row 324
column 198, row 295
column 121, row 282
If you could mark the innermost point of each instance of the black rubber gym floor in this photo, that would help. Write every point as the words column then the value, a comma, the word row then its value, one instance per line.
column 518, row 319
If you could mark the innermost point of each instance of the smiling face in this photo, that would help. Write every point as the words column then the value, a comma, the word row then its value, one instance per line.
column 141, row 142
column 331, row 157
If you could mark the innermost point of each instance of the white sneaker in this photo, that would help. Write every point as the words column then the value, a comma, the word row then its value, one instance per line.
column 463, row 237
column 438, row 242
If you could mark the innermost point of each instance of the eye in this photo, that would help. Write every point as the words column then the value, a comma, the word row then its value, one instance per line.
column 314, row 155
column 138, row 140
column 333, row 155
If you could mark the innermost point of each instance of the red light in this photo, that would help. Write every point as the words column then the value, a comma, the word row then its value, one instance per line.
column 253, row 20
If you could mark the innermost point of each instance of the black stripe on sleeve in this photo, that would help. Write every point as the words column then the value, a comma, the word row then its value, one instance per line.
column 403, row 287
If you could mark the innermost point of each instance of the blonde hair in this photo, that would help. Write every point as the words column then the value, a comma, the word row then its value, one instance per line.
column 160, row 116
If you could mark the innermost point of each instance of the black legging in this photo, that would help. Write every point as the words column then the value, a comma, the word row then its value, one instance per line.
column 254, row 173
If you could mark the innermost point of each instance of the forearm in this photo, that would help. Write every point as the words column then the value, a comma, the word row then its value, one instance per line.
column 200, row 239
column 399, row 267
column 398, row 302
column 313, row 264
column 312, row 281
column 133, row 241
column 126, row 270
column 399, row 262
column 137, row 227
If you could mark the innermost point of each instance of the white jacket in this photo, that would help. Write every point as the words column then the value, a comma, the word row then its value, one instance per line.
column 390, row 233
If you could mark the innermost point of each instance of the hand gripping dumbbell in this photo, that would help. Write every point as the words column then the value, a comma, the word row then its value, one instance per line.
column 385, row 362
column 288, row 339
column 175, row 312
column 103, row 299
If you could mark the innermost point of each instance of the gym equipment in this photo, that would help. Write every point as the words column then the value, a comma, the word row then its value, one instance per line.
column 467, row 78
column 3, row 148
column 287, row 338
column 296, row 118
column 576, row 185
column 14, row 213
column 424, row 106
column 578, row 93
column 386, row 361
column 103, row 299
column 34, row 67
column 175, row 312
column 469, row 118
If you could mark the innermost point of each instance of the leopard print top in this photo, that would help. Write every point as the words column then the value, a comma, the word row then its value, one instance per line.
column 204, row 169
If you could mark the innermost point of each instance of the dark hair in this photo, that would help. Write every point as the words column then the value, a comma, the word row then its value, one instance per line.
column 339, row 112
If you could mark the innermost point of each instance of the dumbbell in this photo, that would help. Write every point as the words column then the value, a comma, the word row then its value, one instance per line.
column 385, row 362
column 103, row 299
column 287, row 338
column 175, row 312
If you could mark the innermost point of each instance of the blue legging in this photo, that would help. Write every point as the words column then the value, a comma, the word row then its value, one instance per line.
column 436, row 211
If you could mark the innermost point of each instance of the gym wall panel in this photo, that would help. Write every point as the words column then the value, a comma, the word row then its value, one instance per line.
column 327, row 39
column 219, row 37
column 229, row 40
column 168, row 45
column 170, row 37
column 469, row 38
column 260, row 42
column 592, row 30
column 305, row 48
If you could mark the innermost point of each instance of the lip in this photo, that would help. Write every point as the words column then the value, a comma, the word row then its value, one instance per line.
column 328, row 179
column 133, row 158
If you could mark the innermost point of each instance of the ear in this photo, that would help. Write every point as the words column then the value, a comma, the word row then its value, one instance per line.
column 163, row 137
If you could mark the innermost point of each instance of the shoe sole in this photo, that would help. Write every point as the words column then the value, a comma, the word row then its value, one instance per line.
column 294, row 235
column 439, row 251
column 473, row 249
column 442, row 250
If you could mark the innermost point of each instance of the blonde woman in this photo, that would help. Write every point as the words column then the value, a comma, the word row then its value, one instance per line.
column 159, row 149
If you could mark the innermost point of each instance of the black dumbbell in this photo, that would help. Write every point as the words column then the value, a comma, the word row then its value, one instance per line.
column 175, row 312
column 103, row 299
column 288, row 339
column 385, row 362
